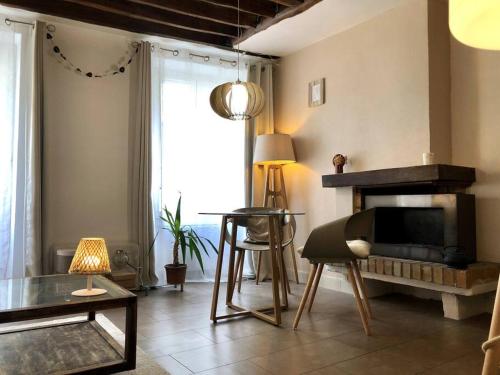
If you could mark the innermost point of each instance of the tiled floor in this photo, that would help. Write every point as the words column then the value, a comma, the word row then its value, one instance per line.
column 410, row 336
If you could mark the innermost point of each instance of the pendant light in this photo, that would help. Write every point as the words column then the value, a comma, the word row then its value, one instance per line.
column 237, row 100
column 476, row 23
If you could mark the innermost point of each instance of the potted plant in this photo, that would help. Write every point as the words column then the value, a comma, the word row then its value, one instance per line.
column 185, row 238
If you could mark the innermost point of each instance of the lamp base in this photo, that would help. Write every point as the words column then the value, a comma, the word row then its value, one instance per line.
column 88, row 292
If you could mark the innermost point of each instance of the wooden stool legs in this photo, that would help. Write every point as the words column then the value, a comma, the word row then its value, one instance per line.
column 303, row 301
column 359, row 303
column 358, row 289
column 315, row 286
column 362, row 286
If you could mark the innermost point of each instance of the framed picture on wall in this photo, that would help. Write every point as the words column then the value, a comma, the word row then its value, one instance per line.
column 317, row 92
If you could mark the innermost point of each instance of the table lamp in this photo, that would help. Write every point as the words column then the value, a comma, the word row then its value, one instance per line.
column 273, row 151
column 91, row 258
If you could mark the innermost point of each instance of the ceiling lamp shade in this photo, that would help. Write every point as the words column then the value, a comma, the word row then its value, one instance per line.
column 274, row 149
column 237, row 100
column 476, row 23
column 91, row 257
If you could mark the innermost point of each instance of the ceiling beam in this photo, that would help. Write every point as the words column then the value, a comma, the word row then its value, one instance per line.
column 159, row 16
column 262, row 8
column 204, row 10
column 268, row 22
column 288, row 3
column 78, row 12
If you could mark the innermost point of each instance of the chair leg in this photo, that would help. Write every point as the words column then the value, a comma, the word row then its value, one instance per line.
column 294, row 262
column 361, row 308
column 242, row 262
column 305, row 296
column 315, row 286
column 259, row 262
column 362, row 286
column 288, row 289
column 236, row 270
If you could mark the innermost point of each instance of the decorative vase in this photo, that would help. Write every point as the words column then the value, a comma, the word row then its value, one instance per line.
column 176, row 274
column 339, row 162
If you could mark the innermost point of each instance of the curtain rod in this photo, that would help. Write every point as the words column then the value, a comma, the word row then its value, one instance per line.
column 9, row 22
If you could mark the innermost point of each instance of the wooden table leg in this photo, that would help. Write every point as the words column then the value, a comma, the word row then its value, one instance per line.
column 315, row 286
column 281, row 262
column 91, row 316
column 232, row 250
column 305, row 296
column 492, row 355
column 361, row 284
column 131, row 333
column 275, row 272
column 218, row 269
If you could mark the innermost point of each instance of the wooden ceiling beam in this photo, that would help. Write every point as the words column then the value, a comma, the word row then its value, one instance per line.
column 204, row 10
column 288, row 3
column 268, row 22
column 261, row 8
column 77, row 12
column 158, row 16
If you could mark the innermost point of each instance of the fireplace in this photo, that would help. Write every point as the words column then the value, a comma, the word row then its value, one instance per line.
column 437, row 228
column 421, row 213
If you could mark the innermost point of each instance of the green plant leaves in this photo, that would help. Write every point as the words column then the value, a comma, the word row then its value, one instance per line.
column 186, row 236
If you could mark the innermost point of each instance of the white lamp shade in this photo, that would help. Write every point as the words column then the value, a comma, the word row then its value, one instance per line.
column 476, row 23
column 274, row 149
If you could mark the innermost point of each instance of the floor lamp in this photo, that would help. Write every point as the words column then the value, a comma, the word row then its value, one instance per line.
column 273, row 151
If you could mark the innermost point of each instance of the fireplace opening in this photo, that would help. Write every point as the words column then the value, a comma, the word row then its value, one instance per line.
column 416, row 226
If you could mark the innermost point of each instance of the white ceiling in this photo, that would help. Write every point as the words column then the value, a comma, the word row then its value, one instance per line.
column 324, row 19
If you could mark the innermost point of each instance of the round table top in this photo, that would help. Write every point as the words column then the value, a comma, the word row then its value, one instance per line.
column 254, row 211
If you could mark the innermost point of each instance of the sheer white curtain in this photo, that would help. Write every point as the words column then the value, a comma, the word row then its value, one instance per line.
column 15, row 137
column 202, row 155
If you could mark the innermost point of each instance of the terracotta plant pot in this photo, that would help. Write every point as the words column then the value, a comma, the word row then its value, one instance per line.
column 176, row 274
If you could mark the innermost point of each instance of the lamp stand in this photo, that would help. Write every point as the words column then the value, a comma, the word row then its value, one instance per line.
column 271, row 195
column 89, row 291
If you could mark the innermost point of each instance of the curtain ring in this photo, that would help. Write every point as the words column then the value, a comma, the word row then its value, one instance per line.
column 51, row 28
column 7, row 22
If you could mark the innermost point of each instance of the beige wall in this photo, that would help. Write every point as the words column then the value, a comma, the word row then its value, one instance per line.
column 376, row 110
column 86, row 140
column 475, row 136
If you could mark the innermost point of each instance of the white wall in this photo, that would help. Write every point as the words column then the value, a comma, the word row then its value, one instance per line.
column 475, row 109
column 86, row 140
column 376, row 110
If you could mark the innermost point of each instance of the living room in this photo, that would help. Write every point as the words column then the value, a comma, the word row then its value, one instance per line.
column 249, row 187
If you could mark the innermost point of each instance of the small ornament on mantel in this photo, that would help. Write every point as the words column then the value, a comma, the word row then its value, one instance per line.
column 339, row 161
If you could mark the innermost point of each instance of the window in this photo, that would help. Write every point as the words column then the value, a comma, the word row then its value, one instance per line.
column 15, row 94
column 202, row 154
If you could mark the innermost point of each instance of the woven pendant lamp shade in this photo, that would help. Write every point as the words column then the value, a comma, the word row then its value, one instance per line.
column 237, row 100
column 91, row 258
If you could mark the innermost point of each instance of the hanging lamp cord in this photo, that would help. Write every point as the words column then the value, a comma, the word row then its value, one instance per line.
column 238, row 45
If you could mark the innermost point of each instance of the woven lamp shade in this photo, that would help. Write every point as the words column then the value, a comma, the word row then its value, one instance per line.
column 237, row 100
column 91, row 257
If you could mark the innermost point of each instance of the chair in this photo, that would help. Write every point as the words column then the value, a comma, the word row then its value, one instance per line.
column 342, row 241
column 257, row 239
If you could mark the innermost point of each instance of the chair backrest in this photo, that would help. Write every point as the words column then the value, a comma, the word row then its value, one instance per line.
column 257, row 227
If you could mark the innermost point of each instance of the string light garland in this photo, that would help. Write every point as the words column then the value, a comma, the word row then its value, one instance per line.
column 117, row 68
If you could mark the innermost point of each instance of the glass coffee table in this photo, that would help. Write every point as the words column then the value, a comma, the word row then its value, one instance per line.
column 76, row 347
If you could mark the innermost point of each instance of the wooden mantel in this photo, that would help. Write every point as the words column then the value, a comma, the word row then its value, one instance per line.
column 434, row 175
